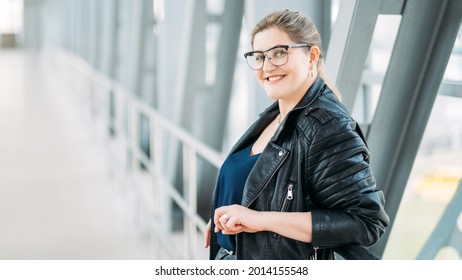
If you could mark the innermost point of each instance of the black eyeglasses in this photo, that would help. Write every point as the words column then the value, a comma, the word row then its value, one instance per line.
column 277, row 55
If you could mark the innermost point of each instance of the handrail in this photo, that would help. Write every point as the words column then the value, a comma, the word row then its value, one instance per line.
column 92, row 74
column 159, row 215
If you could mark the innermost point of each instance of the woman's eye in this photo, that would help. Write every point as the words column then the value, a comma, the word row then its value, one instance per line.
column 259, row 57
column 280, row 53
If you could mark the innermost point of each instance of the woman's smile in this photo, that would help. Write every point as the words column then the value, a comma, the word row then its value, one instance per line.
column 274, row 79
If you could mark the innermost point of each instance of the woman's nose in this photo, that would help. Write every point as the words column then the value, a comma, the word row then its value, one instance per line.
column 267, row 65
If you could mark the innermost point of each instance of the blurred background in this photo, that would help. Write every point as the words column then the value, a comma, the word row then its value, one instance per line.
column 115, row 116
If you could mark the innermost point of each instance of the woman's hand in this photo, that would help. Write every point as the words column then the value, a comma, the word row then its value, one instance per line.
column 207, row 233
column 235, row 219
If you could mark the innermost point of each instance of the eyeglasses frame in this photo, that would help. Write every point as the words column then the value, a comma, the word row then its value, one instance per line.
column 286, row 47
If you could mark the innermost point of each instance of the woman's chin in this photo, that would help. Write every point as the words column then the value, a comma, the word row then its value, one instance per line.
column 273, row 95
column 271, row 91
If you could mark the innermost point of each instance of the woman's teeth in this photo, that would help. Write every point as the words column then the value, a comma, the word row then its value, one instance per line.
column 275, row 78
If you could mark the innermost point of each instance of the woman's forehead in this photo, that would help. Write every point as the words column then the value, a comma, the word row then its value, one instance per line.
column 270, row 37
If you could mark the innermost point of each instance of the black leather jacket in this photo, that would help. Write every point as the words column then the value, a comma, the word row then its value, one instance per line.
column 316, row 161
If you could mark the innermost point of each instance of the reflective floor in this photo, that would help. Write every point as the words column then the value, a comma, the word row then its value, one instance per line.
column 57, row 200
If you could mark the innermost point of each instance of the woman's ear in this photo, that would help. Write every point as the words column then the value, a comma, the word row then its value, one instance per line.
column 314, row 54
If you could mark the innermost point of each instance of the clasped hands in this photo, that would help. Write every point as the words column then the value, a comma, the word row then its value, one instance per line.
column 234, row 219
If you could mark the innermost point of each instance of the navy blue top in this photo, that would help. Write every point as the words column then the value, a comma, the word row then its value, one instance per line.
column 230, row 186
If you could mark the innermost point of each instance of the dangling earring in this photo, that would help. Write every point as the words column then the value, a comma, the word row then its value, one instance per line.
column 311, row 71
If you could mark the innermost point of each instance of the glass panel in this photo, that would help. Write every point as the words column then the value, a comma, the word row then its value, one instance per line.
column 436, row 173
column 335, row 7
column 158, row 11
column 242, row 97
column 125, row 43
column 213, row 31
column 215, row 7
column 377, row 62
column 454, row 69
column 432, row 183
column 11, row 16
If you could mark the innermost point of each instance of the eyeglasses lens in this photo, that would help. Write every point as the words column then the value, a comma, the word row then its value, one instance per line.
column 277, row 57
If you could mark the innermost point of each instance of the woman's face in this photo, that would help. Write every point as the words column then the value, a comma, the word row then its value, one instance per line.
column 289, row 81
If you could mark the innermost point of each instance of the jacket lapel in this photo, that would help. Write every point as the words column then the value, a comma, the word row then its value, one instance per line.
column 273, row 156
column 270, row 160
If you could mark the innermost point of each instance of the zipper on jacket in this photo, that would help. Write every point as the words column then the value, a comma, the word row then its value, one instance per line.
column 287, row 199
column 314, row 257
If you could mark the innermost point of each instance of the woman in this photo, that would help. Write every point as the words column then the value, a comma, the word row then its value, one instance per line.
column 298, row 183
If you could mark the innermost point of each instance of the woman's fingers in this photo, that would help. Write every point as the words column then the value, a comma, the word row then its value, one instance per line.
column 233, row 226
column 220, row 218
column 227, row 219
column 235, row 219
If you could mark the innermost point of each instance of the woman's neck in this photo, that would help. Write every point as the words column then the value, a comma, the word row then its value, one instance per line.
column 287, row 104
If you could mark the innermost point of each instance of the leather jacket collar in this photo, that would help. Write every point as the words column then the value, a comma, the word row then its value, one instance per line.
column 268, row 115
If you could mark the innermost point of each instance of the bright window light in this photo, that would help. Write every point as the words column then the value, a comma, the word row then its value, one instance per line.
column 11, row 15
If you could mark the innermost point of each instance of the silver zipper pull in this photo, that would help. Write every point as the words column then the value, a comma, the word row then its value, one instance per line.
column 290, row 195
column 315, row 253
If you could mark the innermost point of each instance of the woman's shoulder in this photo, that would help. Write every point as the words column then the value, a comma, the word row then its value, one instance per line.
column 325, row 109
column 324, row 118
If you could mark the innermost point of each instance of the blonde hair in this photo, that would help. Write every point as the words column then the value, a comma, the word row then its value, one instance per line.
column 300, row 29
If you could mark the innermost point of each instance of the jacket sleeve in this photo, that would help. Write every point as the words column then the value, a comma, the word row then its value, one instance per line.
column 350, row 209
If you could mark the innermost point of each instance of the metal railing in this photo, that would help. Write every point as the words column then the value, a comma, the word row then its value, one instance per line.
column 145, row 177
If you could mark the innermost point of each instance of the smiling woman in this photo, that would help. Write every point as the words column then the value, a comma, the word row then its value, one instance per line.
column 298, row 184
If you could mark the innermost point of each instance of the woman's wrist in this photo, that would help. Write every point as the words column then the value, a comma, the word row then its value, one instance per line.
column 263, row 223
